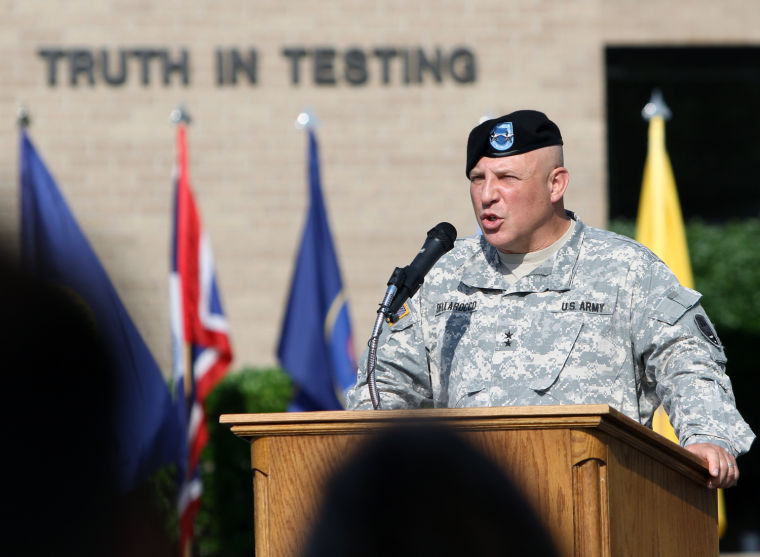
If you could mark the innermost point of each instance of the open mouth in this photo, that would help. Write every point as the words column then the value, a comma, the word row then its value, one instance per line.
column 490, row 221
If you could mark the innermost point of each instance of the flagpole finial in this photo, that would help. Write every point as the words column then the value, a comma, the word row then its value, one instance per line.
column 23, row 117
column 656, row 107
column 180, row 115
column 306, row 120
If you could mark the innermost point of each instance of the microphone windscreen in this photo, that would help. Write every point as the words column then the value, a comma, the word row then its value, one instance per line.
column 445, row 232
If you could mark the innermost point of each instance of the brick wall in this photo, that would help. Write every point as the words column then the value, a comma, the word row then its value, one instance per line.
column 392, row 154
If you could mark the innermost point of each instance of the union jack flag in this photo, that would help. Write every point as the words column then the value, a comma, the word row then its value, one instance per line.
column 200, row 342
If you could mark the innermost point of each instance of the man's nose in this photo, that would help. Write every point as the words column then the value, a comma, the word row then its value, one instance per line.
column 488, row 193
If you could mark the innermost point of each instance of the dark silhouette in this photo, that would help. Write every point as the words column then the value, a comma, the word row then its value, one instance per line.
column 57, row 426
column 421, row 490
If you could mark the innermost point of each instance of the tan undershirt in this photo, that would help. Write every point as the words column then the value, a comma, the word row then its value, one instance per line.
column 519, row 265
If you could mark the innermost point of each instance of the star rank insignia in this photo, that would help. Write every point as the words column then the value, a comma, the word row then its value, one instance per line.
column 508, row 338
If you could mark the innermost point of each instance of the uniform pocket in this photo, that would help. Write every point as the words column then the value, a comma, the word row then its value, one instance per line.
column 590, row 371
column 585, row 360
column 544, row 368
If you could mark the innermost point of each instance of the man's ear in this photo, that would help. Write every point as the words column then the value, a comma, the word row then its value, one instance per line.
column 558, row 180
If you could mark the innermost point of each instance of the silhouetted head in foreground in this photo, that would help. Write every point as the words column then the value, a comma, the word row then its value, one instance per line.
column 424, row 491
column 57, row 424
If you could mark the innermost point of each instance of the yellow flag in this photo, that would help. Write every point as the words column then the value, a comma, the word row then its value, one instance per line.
column 659, row 226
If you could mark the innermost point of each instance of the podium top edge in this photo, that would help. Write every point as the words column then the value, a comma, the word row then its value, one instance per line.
column 364, row 416
column 601, row 417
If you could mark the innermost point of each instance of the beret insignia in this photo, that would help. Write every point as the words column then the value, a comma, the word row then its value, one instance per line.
column 502, row 136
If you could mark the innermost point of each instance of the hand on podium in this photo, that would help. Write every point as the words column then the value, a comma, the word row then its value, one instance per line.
column 720, row 463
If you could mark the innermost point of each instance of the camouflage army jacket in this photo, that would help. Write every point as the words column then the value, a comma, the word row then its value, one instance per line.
column 602, row 321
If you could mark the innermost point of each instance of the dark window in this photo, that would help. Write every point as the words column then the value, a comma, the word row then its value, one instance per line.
column 713, row 138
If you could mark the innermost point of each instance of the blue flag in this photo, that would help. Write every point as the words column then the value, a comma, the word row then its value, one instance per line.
column 316, row 347
column 53, row 247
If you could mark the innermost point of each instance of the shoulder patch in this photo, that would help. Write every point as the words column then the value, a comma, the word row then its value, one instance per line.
column 402, row 312
column 707, row 331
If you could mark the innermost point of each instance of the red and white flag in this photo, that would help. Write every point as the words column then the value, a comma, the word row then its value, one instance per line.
column 200, row 341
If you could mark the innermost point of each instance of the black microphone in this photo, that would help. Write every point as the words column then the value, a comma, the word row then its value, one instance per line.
column 440, row 239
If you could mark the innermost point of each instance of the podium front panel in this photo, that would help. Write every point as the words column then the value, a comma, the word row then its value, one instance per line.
column 602, row 485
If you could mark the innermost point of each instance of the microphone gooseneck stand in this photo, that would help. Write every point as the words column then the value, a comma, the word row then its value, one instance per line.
column 402, row 285
column 397, row 278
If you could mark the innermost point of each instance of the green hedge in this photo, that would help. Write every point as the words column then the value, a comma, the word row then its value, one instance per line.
column 224, row 526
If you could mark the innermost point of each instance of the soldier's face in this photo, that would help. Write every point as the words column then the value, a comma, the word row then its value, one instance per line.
column 512, row 199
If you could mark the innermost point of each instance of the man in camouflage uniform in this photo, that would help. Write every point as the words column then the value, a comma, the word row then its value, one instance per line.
column 543, row 309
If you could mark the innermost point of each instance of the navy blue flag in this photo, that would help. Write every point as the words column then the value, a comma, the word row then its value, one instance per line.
column 148, row 429
column 315, row 347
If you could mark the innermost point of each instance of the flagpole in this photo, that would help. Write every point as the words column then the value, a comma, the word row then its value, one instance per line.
column 663, row 232
column 306, row 120
column 655, row 112
column 659, row 224
column 315, row 346
column 178, row 117
column 147, row 429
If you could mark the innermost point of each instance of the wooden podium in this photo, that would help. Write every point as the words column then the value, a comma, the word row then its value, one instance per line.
column 603, row 485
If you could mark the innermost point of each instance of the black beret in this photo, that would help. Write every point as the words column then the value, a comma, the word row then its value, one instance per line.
column 513, row 134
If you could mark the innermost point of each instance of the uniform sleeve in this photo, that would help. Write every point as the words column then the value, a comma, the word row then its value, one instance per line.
column 403, row 379
column 683, row 358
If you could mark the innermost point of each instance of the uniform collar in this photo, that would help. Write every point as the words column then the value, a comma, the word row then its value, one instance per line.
column 556, row 273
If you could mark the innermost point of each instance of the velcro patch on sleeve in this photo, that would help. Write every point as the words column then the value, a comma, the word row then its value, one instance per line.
column 677, row 301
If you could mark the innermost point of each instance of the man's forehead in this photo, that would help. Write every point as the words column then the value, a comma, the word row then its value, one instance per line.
column 515, row 162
